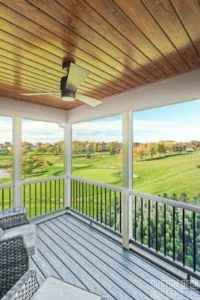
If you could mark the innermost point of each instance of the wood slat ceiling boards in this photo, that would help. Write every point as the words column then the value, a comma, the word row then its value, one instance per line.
column 122, row 43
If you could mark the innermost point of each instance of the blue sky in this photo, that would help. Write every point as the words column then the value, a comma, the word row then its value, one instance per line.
column 178, row 122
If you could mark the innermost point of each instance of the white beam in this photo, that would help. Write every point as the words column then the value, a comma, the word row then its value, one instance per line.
column 22, row 109
column 176, row 89
column 17, row 161
column 127, row 133
column 68, row 163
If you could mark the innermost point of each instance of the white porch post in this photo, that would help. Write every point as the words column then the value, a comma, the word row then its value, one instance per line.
column 127, row 176
column 68, row 163
column 17, row 161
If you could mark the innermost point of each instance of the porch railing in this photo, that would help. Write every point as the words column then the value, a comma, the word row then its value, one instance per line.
column 42, row 196
column 97, row 201
column 169, row 229
column 6, row 196
column 166, row 228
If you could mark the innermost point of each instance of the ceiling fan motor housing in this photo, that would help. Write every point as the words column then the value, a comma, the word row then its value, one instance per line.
column 68, row 95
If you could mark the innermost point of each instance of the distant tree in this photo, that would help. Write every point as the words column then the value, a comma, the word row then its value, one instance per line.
column 179, row 147
column 32, row 163
column 161, row 148
column 139, row 151
column 99, row 147
column 26, row 147
column 89, row 150
column 152, row 150
column 114, row 148
column 104, row 146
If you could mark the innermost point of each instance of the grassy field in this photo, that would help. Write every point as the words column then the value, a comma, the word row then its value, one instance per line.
column 174, row 174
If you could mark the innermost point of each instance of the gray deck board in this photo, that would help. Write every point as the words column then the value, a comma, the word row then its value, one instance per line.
column 71, row 250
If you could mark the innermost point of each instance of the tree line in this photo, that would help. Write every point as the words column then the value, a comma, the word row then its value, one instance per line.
column 158, row 149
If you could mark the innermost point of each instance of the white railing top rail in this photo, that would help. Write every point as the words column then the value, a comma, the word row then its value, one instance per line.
column 100, row 184
column 24, row 182
column 6, row 186
column 166, row 201
column 169, row 202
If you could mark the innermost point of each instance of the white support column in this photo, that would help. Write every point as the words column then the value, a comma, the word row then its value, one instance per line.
column 68, row 163
column 127, row 176
column 17, row 161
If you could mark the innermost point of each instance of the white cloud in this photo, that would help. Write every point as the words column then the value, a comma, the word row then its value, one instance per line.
column 98, row 131
column 32, row 131
column 106, row 130
column 149, row 131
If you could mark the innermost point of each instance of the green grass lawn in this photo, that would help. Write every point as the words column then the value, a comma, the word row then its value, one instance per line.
column 176, row 174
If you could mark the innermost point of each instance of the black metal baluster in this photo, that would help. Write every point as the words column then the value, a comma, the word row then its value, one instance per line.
column 93, row 198
column 86, row 197
column 45, row 196
column 89, row 186
column 24, row 192
column 73, row 194
column 156, row 226
column 76, row 187
column 110, row 202
column 63, row 183
column 120, row 212
column 105, row 205
column 174, row 232
column 76, row 195
column 55, row 192
column 83, row 199
column 9, row 197
column 35, row 199
column 194, row 240
column 97, row 203
column 115, row 208
column 2, row 195
column 142, row 220
column 135, row 225
column 183, row 235
column 149, row 223
column 79, row 196
column 50, row 196
column 101, row 205
column 59, row 191
column 165, row 230
column 3, row 199
column 30, row 212
column 40, row 198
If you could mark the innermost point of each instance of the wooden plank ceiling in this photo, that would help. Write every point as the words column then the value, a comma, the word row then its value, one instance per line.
column 123, row 43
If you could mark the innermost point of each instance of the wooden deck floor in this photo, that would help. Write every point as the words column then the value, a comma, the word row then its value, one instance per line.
column 71, row 250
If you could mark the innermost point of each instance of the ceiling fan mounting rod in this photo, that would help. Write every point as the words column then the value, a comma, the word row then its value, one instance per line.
column 66, row 66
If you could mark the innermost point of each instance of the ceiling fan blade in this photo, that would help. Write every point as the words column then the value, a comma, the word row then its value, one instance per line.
column 76, row 76
column 88, row 100
column 39, row 94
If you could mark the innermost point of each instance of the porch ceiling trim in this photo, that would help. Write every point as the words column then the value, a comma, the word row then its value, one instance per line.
column 13, row 108
column 176, row 89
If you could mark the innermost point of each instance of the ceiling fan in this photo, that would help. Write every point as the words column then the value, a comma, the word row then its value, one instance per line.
column 75, row 75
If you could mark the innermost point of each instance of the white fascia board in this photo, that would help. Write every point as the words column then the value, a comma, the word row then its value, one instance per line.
column 22, row 109
column 176, row 89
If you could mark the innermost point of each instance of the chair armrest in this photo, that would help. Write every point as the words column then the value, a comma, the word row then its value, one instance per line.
column 24, row 288
column 9, row 222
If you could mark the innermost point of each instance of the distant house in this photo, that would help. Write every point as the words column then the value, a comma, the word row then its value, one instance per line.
column 189, row 149
column 3, row 149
